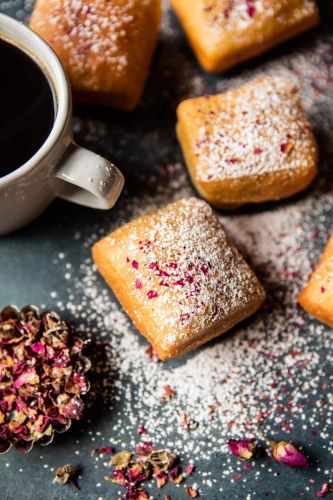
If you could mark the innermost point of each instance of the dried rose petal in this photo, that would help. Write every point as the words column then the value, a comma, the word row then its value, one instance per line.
column 142, row 430
column 242, row 448
column 188, row 422
column 160, row 460
column 152, row 354
column 161, row 479
column 139, row 495
column 175, row 475
column 122, row 459
column 144, row 448
column 168, row 394
column 138, row 284
column 189, row 469
column 325, row 490
column 66, row 475
column 287, row 454
column 191, row 492
column 137, row 472
column 117, row 477
column 104, row 450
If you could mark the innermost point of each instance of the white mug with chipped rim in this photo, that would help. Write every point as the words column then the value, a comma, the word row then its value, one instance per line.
column 59, row 168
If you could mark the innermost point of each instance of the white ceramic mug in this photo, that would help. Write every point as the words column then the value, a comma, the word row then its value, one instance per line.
column 59, row 168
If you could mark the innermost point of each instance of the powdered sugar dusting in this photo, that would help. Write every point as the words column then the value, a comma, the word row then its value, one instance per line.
column 91, row 35
column 257, row 129
column 242, row 15
column 181, row 273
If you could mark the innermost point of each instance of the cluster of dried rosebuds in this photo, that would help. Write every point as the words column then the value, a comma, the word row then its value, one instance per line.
column 283, row 452
column 131, row 470
column 41, row 377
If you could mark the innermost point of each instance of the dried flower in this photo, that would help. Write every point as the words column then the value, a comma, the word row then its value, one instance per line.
column 152, row 354
column 242, row 448
column 325, row 490
column 189, row 469
column 287, row 454
column 161, row 460
column 66, row 475
column 142, row 430
column 42, row 377
column 122, row 459
column 168, row 394
column 144, row 449
column 191, row 492
column 175, row 475
column 132, row 470
column 104, row 450
column 161, row 479
column 187, row 422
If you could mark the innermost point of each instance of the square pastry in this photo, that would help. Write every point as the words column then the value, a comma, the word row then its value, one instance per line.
column 317, row 297
column 249, row 145
column 179, row 279
column 226, row 32
column 105, row 45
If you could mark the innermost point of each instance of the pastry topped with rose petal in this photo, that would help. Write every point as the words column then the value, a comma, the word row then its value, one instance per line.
column 106, row 46
column 248, row 145
column 226, row 32
column 178, row 277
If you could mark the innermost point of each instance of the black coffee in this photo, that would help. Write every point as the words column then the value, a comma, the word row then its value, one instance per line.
column 27, row 108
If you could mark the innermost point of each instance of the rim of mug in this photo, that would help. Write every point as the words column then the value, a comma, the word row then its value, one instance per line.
column 60, row 86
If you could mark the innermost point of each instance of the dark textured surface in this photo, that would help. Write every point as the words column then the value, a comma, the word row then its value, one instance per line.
column 28, row 273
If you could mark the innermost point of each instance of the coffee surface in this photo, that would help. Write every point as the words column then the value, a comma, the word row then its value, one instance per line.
column 27, row 107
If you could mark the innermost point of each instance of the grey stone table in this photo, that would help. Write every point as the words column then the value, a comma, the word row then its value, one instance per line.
column 273, row 372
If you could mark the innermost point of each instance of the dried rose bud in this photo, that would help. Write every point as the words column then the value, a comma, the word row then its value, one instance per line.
column 287, row 454
column 242, row 448
column 42, row 377
column 325, row 490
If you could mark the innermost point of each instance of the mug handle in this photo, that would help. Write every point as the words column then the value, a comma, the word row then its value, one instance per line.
column 87, row 178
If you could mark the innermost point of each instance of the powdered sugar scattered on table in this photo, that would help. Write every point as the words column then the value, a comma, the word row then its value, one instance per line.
column 275, row 370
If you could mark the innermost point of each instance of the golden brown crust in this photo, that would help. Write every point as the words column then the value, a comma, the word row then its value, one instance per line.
column 177, row 277
column 249, row 145
column 105, row 46
column 317, row 296
column 224, row 33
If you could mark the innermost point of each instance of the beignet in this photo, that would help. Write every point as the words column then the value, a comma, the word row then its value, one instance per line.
column 105, row 45
column 177, row 276
column 317, row 297
column 226, row 32
column 249, row 145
